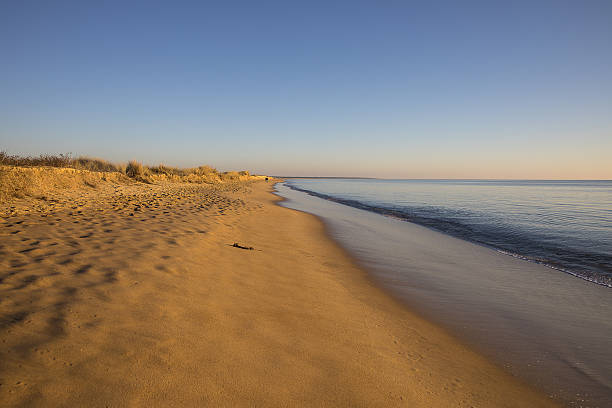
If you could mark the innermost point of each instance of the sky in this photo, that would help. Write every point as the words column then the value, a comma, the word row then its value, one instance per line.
column 394, row 89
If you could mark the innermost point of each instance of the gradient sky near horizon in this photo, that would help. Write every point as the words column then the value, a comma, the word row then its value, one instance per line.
column 398, row 89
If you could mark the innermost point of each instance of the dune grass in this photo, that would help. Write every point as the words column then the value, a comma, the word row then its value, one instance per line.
column 23, row 175
column 60, row 160
column 133, row 169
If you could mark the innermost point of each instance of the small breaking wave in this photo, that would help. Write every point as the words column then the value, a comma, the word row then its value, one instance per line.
column 468, row 233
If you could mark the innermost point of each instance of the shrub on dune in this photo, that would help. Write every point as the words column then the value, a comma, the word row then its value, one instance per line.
column 135, row 169
column 230, row 175
column 205, row 171
column 61, row 160
column 87, row 163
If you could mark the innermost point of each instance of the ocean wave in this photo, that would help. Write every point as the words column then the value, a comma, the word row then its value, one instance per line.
column 467, row 232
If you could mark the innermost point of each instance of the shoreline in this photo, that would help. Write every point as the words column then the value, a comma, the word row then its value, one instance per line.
column 353, row 204
column 156, row 307
column 369, row 279
column 531, row 320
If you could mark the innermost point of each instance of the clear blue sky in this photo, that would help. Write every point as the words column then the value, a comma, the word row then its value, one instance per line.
column 453, row 89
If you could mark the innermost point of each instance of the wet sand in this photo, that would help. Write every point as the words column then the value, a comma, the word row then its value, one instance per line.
column 133, row 295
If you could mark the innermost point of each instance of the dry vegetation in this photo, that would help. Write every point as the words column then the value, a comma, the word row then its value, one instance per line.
column 22, row 176
column 61, row 160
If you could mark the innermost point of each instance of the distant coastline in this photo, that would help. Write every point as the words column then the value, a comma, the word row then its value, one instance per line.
column 442, row 179
column 325, row 177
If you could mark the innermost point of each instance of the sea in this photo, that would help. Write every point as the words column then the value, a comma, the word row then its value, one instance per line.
column 520, row 270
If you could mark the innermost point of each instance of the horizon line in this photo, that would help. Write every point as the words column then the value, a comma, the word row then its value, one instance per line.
column 433, row 179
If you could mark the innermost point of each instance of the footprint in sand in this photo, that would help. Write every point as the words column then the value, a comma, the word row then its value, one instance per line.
column 65, row 261
column 83, row 269
column 17, row 263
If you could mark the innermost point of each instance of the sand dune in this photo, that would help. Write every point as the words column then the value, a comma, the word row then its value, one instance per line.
column 133, row 295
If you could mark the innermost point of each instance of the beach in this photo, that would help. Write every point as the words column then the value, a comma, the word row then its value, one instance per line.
column 133, row 294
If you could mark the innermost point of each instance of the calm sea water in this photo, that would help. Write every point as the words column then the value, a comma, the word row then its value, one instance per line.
column 566, row 225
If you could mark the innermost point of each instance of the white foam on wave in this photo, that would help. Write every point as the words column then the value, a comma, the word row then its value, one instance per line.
column 557, row 268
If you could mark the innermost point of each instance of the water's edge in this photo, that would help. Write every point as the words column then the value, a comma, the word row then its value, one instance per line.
column 589, row 277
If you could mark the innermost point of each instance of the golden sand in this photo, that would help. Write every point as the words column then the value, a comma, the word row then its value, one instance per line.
column 134, row 295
